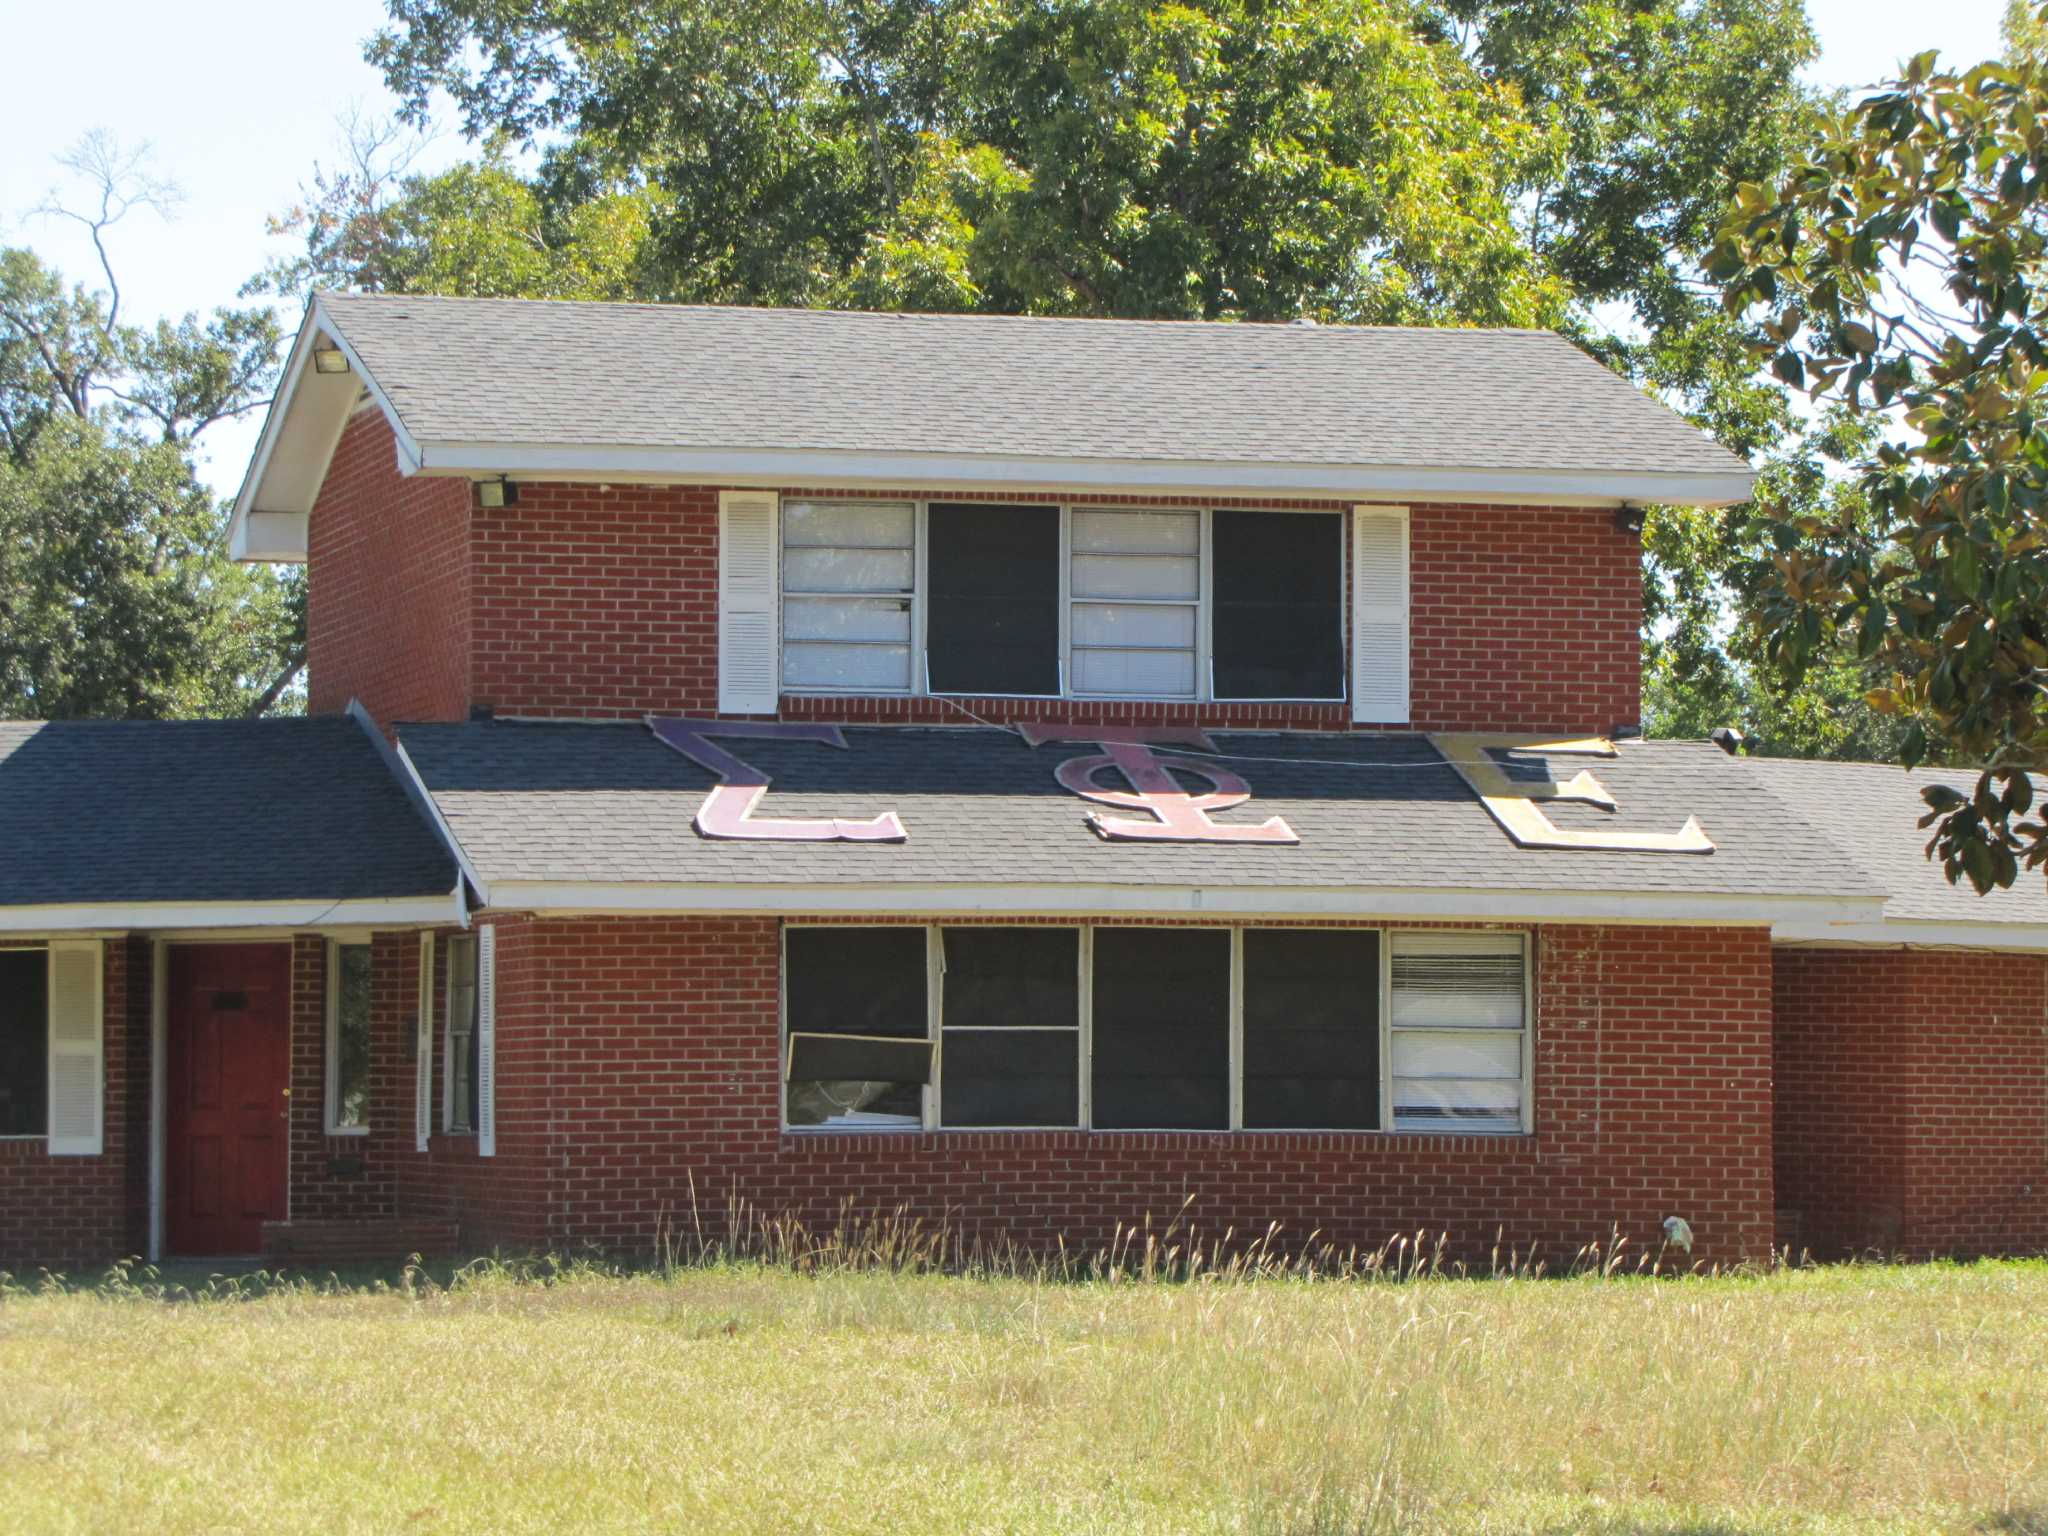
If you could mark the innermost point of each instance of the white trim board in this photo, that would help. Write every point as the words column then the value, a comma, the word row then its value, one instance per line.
column 550, row 898
column 307, row 915
column 2024, row 938
column 796, row 468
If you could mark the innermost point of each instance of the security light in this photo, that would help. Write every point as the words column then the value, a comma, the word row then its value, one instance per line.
column 329, row 360
column 496, row 493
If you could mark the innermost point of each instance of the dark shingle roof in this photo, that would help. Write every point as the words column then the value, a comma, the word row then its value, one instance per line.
column 120, row 811
column 545, row 802
column 1870, row 813
column 515, row 372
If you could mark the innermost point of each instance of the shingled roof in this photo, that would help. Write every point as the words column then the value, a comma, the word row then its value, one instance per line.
column 1869, row 813
column 129, row 813
column 783, row 397
column 1381, row 818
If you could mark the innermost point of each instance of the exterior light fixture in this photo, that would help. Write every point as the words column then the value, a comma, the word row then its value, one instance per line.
column 1628, row 518
column 330, row 360
column 500, row 492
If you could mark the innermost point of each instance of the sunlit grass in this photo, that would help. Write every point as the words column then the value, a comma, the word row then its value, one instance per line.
column 753, row 1396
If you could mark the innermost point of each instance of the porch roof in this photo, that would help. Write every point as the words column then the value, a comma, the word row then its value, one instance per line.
column 132, row 823
column 561, row 815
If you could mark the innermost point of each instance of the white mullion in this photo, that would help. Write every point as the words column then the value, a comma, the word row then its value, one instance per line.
column 1528, row 1034
column 1386, row 1029
column 934, row 1018
column 1067, row 609
column 1086, row 1088
column 330, row 1075
column 920, row 575
column 1237, row 1028
column 1205, row 607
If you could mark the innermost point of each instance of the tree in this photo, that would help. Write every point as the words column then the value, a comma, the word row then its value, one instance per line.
column 1900, row 268
column 116, row 593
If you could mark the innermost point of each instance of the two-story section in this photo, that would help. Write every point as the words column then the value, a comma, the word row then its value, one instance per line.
column 1038, row 776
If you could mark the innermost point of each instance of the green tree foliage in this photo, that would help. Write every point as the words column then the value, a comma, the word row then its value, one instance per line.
column 1901, row 270
column 116, row 594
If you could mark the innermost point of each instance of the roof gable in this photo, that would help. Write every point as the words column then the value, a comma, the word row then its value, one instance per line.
column 791, row 397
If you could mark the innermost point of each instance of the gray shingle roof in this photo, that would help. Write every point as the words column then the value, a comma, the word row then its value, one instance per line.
column 118, row 811
column 544, row 802
column 526, row 372
column 1870, row 812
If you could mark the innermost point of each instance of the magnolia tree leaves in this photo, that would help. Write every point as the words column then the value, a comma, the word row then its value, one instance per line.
column 1900, row 269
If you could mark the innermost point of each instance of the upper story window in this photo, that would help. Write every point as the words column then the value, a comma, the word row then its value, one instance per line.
column 1046, row 601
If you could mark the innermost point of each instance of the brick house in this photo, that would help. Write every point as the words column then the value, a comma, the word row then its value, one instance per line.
column 1030, row 773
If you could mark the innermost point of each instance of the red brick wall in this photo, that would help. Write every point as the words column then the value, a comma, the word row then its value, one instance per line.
column 79, row 1212
column 387, row 585
column 1912, row 1111
column 659, row 1037
column 588, row 600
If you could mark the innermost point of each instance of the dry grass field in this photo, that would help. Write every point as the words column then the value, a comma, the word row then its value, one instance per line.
column 754, row 1397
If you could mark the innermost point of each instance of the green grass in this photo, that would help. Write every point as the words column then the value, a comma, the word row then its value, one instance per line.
column 750, row 1397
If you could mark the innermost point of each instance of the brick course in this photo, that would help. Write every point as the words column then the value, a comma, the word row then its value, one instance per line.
column 1912, row 1113
column 658, row 1041
column 599, row 601
column 79, row 1212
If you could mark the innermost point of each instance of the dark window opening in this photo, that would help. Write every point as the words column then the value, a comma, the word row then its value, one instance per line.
column 1311, row 1029
column 1012, row 1027
column 1278, row 625
column 460, row 1104
column 992, row 616
column 857, row 1009
column 24, row 1042
column 348, row 1105
column 1162, row 1029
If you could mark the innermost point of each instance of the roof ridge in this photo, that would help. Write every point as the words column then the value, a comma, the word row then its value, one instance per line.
column 950, row 316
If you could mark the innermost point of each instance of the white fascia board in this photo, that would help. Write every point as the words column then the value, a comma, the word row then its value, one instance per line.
column 301, row 431
column 416, row 789
column 795, row 468
column 1617, row 907
column 133, row 916
column 1805, row 933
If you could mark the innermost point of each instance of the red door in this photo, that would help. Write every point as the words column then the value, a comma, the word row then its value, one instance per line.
column 225, row 1115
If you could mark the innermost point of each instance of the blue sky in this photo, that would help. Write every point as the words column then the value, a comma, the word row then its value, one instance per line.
column 239, row 99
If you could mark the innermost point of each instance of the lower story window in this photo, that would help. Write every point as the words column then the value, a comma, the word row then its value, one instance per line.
column 1460, row 1003
column 459, row 1075
column 24, row 1042
column 858, row 1007
column 1155, row 1028
column 348, row 1038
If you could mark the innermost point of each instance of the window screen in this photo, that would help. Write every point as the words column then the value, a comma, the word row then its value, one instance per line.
column 1136, row 583
column 1161, row 1029
column 459, row 1104
column 348, row 1045
column 1012, row 1010
column 24, row 1042
column 992, row 617
column 856, row 1006
column 848, row 576
column 1311, row 1029
column 1458, row 1031
column 1278, row 590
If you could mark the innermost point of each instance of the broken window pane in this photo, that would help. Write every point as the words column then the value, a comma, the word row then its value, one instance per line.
column 859, row 1051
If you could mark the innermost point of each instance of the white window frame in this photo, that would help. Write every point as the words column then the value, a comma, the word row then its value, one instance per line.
column 915, row 597
column 448, row 1034
column 331, row 1112
column 1204, row 604
column 933, row 1092
column 1527, row 1031
column 1082, row 959
column 44, row 1133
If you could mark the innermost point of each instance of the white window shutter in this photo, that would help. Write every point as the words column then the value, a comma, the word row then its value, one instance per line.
column 749, row 660
column 423, row 1070
column 77, row 1035
column 487, row 1042
column 1379, row 615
